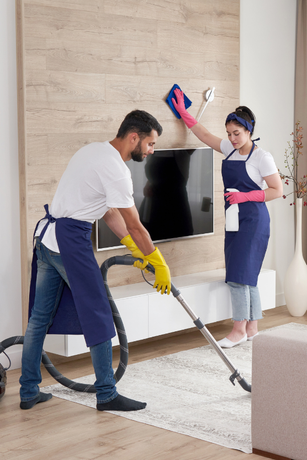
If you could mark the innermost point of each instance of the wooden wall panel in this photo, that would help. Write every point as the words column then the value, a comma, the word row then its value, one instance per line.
column 87, row 63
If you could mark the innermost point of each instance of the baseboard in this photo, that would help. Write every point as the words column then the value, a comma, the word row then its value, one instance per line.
column 269, row 455
column 280, row 300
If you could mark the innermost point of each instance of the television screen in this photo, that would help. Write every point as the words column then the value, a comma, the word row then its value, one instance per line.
column 173, row 192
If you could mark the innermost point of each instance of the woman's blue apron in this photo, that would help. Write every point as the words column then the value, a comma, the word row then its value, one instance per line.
column 246, row 248
column 84, row 308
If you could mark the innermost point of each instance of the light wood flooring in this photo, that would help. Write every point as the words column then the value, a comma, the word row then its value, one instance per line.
column 60, row 429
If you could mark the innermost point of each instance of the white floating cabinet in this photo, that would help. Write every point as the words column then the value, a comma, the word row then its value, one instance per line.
column 146, row 313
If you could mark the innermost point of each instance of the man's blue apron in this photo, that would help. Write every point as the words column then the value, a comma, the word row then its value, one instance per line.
column 245, row 249
column 84, row 308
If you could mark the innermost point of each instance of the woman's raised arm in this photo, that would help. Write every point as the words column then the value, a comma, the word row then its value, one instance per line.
column 199, row 130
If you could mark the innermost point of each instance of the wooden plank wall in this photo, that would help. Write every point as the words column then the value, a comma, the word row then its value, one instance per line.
column 84, row 64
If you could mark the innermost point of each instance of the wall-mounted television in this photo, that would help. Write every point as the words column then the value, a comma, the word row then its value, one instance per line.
column 173, row 192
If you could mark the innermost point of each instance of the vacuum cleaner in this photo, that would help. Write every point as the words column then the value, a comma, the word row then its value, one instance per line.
column 123, row 342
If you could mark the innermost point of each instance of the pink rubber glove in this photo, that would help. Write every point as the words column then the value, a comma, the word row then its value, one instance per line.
column 180, row 107
column 242, row 197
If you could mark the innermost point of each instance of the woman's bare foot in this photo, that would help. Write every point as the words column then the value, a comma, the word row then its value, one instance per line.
column 238, row 331
column 251, row 328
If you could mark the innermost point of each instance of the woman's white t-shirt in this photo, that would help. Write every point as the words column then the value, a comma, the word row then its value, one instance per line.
column 259, row 165
column 95, row 180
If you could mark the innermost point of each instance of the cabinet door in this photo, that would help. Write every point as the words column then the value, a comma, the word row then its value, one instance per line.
column 267, row 289
column 65, row 345
column 209, row 301
column 134, row 313
column 166, row 315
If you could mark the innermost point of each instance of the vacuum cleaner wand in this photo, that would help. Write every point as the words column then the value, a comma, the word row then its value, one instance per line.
column 206, row 333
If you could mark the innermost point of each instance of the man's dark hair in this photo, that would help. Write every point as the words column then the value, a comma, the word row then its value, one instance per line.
column 140, row 122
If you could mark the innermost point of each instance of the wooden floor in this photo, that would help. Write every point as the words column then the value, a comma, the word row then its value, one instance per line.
column 60, row 429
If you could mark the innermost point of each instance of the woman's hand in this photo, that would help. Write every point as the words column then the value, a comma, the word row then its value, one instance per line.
column 179, row 102
column 180, row 107
column 199, row 130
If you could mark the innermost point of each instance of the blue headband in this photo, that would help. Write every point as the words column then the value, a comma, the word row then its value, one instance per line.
column 246, row 124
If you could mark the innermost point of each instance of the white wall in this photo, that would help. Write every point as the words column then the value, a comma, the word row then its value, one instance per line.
column 267, row 86
column 10, row 278
column 267, row 70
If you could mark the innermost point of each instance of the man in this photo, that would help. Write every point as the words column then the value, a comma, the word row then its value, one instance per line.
column 97, row 183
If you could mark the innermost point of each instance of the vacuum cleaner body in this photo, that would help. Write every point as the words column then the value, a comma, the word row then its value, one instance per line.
column 3, row 380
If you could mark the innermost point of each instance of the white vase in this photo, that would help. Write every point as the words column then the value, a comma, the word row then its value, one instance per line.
column 295, row 286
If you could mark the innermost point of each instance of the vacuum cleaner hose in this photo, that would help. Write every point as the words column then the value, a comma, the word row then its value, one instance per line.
column 119, row 325
column 123, row 361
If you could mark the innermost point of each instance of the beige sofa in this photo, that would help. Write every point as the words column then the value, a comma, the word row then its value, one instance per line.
column 279, row 394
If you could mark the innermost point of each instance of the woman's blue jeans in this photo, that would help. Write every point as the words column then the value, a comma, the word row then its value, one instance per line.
column 246, row 304
column 51, row 278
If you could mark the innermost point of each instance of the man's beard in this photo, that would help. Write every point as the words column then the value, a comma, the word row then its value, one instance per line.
column 137, row 154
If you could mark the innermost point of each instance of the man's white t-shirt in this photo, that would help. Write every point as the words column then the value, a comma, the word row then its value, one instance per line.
column 95, row 180
column 259, row 165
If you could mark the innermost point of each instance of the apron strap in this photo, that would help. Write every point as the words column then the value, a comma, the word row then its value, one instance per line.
column 50, row 218
column 230, row 154
column 258, row 139
column 253, row 141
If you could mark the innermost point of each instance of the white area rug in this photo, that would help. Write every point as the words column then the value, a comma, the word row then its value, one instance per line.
column 187, row 392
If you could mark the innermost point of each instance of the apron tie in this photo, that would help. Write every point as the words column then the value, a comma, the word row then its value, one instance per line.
column 50, row 220
column 48, row 216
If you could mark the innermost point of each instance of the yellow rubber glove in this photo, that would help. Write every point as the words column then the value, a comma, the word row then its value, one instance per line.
column 162, row 272
column 135, row 251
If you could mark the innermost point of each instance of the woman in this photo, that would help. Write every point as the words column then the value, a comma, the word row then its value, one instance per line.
column 245, row 171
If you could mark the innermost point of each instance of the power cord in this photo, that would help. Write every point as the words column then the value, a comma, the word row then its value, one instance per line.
column 9, row 360
column 143, row 274
column 143, row 271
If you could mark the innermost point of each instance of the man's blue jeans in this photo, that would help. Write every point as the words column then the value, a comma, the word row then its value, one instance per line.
column 51, row 278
